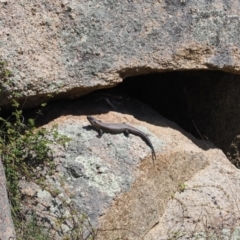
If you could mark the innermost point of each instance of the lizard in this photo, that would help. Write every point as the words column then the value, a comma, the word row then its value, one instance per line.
column 115, row 128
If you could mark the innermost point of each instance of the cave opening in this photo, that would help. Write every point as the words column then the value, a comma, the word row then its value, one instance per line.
column 204, row 103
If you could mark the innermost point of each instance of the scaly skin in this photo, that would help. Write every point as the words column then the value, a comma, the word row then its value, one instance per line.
column 119, row 128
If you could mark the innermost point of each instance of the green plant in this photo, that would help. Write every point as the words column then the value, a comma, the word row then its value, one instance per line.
column 23, row 149
column 5, row 77
column 182, row 187
column 4, row 72
column 31, row 230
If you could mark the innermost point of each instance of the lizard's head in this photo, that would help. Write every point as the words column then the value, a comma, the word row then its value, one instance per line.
column 92, row 120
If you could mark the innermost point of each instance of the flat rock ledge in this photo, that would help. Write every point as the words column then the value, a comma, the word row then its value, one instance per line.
column 190, row 191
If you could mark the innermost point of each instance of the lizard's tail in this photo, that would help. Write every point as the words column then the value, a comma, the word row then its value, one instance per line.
column 153, row 156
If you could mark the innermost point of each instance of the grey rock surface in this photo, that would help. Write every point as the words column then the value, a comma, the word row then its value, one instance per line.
column 112, row 183
column 7, row 230
column 69, row 48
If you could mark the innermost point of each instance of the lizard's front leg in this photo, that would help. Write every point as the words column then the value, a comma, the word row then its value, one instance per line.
column 100, row 132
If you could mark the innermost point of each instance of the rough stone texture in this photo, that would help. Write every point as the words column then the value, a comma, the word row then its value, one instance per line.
column 209, row 204
column 168, row 207
column 72, row 47
column 189, row 190
column 7, row 230
column 69, row 48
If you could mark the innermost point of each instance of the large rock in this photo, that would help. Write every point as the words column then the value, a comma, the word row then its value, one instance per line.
column 70, row 48
column 7, row 230
column 190, row 190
